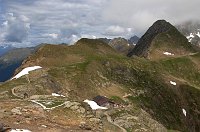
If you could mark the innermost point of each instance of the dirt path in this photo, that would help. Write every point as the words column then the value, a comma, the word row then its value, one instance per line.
column 13, row 92
column 110, row 121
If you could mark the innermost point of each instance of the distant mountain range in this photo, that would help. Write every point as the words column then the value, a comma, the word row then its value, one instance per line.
column 133, row 40
column 4, row 49
column 121, row 45
column 191, row 30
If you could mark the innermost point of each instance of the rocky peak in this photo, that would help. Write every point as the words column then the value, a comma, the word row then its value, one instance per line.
column 118, row 40
column 144, row 43
column 106, row 40
column 133, row 40
column 121, row 45
column 169, row 38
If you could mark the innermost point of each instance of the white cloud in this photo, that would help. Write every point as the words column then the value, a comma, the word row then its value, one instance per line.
column 52, row 35
column 74, row 38
column 11, row 14
column 118, row 31
column 88, row 36
column 15, row 28
column 28, row 25
column 114, row 30
column 24, row 18
column 65, row 17
column 141, row 14
column 5, row 23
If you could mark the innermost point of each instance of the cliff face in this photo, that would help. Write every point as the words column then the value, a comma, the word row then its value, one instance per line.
column 161, row 37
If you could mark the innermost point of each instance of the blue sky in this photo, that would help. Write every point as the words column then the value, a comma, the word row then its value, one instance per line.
column 31, row 22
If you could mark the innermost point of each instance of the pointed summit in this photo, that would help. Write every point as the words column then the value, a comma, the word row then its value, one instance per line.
column 121, row 45
column 161, row 40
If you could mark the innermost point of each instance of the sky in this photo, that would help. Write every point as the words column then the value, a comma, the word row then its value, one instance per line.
column 25, row 23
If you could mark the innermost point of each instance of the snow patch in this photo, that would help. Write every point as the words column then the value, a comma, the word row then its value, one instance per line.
column 198, row 34
column 94, row 105
column 184, row 112
column 57, row 95
column 20, row 130
column 44, row 107
column 189, row 40
column 167, row 53
column 190, row 36
column 173, row 83
column 44, row 126
column 26, row 71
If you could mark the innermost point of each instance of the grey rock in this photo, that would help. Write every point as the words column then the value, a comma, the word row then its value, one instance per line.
column 81, row 110
column 95, row 120
column 74, row 107
column 121, row 45
column 16, row 111
column 68, row 104
column 85, row 126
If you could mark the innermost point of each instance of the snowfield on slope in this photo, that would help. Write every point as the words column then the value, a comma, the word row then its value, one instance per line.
column 184, row 112
column 167, row 53
column 173, row 83
column 94, row 105
column 48, row 103
column 191, row 36
column 57, row 95
column 20, row 130
column 198, row 34
column 26, row 71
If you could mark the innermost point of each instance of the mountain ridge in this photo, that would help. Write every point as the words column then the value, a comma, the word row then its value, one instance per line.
column 141, row 89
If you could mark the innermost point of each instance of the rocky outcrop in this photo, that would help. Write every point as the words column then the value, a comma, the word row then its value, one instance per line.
column 105, row 40
column 140, row 122
column 121, row 45
column 75, row 106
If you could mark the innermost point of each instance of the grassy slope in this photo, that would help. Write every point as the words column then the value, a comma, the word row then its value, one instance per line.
column 162, row 100
column 77, row 66
column 171, row 41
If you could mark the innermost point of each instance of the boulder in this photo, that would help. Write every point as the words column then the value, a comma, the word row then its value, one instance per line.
column 16, row 111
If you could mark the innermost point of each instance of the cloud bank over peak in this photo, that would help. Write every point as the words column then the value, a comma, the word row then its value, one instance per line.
column 141, row 14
